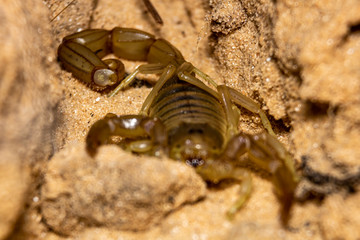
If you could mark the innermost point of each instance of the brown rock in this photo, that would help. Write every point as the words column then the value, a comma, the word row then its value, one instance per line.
column 116, row 189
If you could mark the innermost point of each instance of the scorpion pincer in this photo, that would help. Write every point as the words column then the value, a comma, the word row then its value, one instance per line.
column 182, row 117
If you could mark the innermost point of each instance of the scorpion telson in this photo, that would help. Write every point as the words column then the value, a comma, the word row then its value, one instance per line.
column 181, row 117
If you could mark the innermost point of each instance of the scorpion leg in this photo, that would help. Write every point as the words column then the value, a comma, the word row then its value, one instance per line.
column 220, row 169
column 149, row 134
column 145, row 68
column 231, row 112
column 204, row 76
column 165, row 76
column 241, row 100
column 269, row 154
column 185, row 73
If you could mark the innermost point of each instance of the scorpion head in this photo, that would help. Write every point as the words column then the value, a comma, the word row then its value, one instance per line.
column 194, row 145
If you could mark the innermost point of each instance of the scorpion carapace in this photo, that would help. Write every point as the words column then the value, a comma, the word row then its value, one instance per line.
column 182, row 117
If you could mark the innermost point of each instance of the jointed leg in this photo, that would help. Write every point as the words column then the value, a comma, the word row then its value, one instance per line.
column 165, row 76
column 185, row 73
column 220, row 169
column 252, row 106
column 149, row 133
column 145, row 68
column 204, row 76
column 231, row 111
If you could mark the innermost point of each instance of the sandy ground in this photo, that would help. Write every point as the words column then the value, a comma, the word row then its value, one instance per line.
column 299, row 60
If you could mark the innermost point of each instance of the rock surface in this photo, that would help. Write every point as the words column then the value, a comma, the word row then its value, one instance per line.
column 28, row 97
column 115, row 189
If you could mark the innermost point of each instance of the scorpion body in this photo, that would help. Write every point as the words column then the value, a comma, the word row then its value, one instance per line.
column 182, row 117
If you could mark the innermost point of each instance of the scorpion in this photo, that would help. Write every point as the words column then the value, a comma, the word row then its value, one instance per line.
column 182, row 117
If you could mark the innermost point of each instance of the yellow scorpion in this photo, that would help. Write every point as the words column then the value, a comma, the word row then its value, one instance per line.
column 182, row 117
